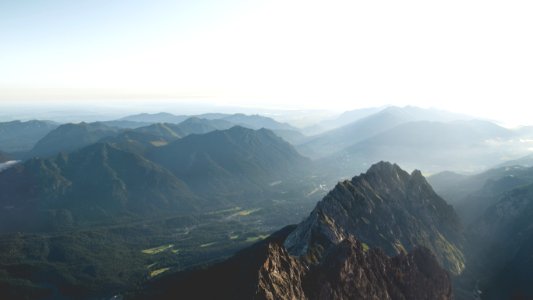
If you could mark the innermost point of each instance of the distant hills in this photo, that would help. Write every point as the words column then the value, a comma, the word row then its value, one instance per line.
column 17, row 136
column 365, row 127
column 250, row 121
column 70, row 137
column 435, row 146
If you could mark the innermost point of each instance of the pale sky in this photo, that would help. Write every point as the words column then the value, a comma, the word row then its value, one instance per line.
column 466, row 56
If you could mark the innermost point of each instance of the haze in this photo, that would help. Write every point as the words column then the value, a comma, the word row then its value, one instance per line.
column 464, row 56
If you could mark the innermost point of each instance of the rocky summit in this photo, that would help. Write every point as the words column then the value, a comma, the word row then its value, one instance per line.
column 385, row 208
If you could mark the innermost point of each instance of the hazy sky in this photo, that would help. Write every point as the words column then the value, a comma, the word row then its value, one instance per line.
column 466, row 56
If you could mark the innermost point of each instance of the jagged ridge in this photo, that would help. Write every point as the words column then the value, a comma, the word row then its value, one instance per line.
column 386, row 208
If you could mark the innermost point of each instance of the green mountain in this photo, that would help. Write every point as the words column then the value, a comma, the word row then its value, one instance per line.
column 17, row 136
column 230, row 162
column 96, row 184
column 70, row 137
column 385, row 208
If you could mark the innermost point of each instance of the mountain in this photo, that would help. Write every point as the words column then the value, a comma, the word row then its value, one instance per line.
column 292, row 136
column 432, row 146
column 161, row 117
column 141, row 140
column 166, row 131
column 125, row 124
column 17, row 136
column 70, row 137
column 502, row 243
column 195, row 125
column 249, row 121
column 386, row 208
column 257, row 122
column 230, row 161
column 96, row 184
column 340, row 138
column 345, row 118
column 525, row 161
column 473, row 194
column 335, row 253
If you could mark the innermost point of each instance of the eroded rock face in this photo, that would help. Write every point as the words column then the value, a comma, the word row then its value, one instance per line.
column 281, row 276
column 348, row 271
column 386, row 208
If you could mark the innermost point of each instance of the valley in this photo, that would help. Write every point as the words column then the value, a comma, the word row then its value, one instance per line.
column 146, row 204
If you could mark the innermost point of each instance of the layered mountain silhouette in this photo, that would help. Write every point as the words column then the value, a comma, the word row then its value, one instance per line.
column 433, row 146
column 382, row 235
column 161, row 117
column 139, row 173
column 230, row 161
column 98, row 183
column 497, row 207
column 249, row 121
column 70, row 137
column 473, row 194
column 332, row 141
column 17, row 136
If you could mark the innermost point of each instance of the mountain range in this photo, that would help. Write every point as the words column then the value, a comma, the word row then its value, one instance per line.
column 250, row 121
column 108, row 181
column 17, row 136
column 95, row 184
column 230, row 161
column 497, row 208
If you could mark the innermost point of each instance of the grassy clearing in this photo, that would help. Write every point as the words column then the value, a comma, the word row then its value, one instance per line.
column 157, row 250
column 253, row 239
column 158, row 143
column 154, row 273
column 233, row 209
column 244, row 212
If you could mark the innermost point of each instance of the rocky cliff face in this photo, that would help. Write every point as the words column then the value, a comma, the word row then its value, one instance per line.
column 386, row 208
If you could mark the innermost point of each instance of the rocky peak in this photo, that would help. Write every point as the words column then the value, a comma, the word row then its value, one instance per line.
column 385, row 208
